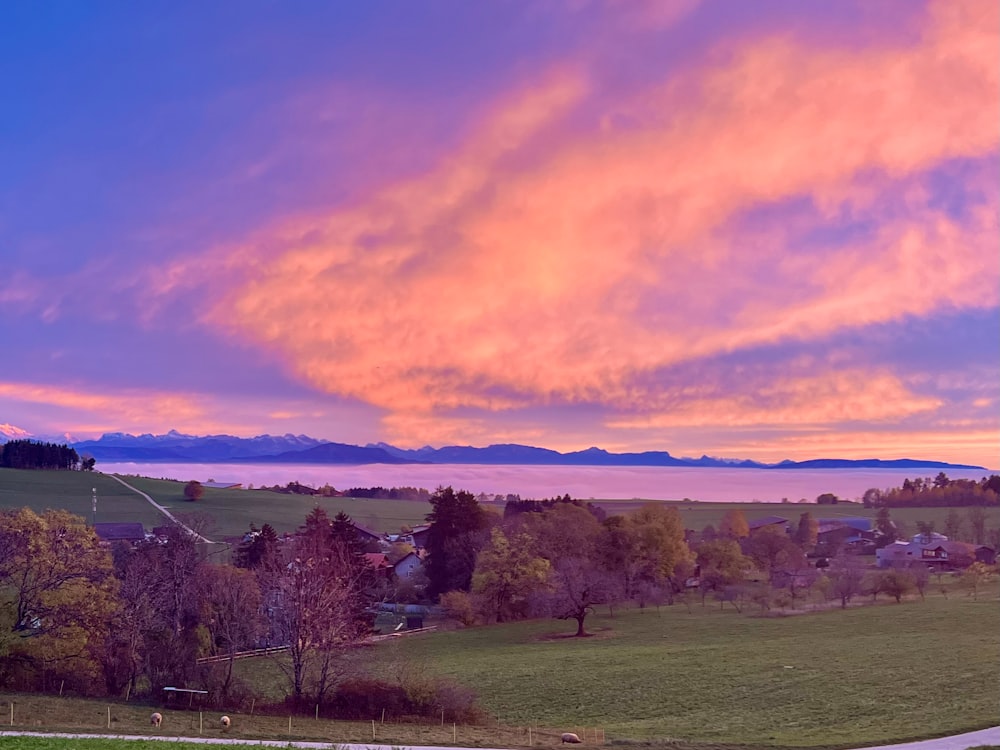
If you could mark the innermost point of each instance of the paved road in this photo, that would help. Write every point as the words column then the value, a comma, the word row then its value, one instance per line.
column 989, row 736
column 957, row 742
column 160, row 508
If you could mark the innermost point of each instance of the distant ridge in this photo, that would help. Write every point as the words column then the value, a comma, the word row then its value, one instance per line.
column 178, row 447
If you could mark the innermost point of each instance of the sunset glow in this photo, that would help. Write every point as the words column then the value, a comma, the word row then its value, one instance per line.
column 769, row 233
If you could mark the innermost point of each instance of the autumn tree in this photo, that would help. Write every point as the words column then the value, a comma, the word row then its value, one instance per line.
column 660, row 538
column 508, row 573
column 59, row 594
column 193, row 491
column 722, row 564
column 567, row 537
column 976, row 517
column 766, row 546
column 734, row 525
column 457, row 526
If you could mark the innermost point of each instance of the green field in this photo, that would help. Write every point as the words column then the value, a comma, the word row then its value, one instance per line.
column 865, row 675
column 231, row 510
column 59, row 743
column 870, row 674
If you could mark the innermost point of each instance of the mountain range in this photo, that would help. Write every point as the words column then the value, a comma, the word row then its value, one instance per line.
column 180, row 448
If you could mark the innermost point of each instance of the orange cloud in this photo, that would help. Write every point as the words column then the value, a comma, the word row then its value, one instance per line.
column 556, row 257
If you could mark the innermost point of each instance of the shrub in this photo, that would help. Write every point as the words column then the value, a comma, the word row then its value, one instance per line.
column 458, row 606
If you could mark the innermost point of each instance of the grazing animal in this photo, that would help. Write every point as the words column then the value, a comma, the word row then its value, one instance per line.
column 225, row 721
column 571, row 738
column 156, row 719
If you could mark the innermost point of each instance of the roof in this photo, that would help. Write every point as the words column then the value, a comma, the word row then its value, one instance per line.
column 760, row 523
column 377, row 560
column 222, row 485
column 365, row 531
column 113, row 532
column 858, row 523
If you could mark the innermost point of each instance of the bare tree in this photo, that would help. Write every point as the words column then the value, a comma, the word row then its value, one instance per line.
column 313, row 602
column 846, row 575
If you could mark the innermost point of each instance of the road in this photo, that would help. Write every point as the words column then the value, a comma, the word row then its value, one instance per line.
column 989, row 736
column 160, row 508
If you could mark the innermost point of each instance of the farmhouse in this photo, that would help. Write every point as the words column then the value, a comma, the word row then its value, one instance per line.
column 109, row 533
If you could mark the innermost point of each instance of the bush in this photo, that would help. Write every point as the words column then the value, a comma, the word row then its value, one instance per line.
column 458, row 606
column 366, row 698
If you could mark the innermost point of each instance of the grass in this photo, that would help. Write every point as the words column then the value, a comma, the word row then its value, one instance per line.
column 230, row 510
column 61, row 743
column 866, row 675
column 50, row 713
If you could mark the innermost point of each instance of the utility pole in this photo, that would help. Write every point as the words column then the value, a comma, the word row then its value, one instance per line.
column 94, row 491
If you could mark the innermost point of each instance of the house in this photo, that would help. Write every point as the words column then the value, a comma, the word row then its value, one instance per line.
column 934, row 550
column 367, row 535
column 420, row 534
column 223, row 485
column 768, row 521
column 109, row 533
column 407, row 565
column 378, row 562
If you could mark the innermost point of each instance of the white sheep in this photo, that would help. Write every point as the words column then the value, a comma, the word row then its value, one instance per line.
column 225, row 721
column 156, row 719
column 570, row 737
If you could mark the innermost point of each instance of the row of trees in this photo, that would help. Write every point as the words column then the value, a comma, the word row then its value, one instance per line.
column 941, row 491
column 31, row 454
column 559, row 559
column 137, row 619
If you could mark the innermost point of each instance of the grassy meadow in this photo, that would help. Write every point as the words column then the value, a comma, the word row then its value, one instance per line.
column 874, row 674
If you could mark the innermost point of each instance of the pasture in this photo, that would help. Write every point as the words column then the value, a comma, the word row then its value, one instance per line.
column 230, row 510
column 883, row 673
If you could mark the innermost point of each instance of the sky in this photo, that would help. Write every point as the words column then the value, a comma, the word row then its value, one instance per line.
column 758, row 229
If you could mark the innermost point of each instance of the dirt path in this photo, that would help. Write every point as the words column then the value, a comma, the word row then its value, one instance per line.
column 160, row 508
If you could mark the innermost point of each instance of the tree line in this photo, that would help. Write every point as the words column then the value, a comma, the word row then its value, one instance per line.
column 941, row 491
column 31, row 454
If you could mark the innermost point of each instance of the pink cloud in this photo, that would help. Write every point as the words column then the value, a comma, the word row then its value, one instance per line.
column 555, row 257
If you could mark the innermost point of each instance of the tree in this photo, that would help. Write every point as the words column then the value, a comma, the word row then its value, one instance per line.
column 952, row 524
column 659, row 544
column 827, row 498
column 722, row 564
column 61, row 591
column 317, row 595
column 974, row 577
column 508, row 573
column 886, row 528
column 846, row 574
column 457, row 523
column 897, row 583
column 232, row 603
column 258, row 550
column 765, row 547
column 977, row 524
column 807, row 532
column 193, row 491
column 734, row 525
column 569, row 538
